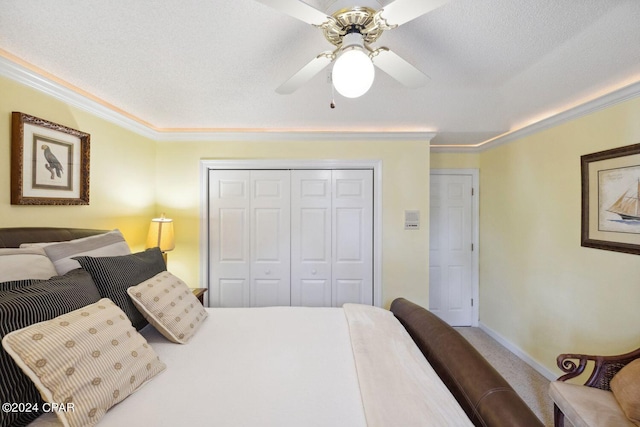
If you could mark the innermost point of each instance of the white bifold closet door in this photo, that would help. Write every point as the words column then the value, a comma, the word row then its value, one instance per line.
column 300, row 237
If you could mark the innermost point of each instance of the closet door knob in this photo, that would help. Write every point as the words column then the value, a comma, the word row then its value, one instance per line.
column 313, row 272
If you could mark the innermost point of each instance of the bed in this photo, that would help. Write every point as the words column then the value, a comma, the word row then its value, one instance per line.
column 276, row 366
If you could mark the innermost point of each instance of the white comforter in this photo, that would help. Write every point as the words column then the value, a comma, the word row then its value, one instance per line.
column 290, row 366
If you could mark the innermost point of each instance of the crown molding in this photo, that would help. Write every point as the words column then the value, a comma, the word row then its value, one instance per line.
column 39, row 82
column 291, row 135
column 21, row 72
column 610, row 99
column 66, row 93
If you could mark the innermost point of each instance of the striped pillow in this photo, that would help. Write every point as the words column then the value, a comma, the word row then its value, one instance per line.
column 91, row 357
column 62, row 253
column 114, row 275
column 20, row 283
column 23, row 303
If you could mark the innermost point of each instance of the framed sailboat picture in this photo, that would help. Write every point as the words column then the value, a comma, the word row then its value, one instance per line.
column 611, row 199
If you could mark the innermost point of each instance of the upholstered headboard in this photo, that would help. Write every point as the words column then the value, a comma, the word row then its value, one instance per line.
column 14, row 237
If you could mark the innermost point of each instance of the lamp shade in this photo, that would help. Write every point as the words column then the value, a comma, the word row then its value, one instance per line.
column 353, row 71
column 161, row 234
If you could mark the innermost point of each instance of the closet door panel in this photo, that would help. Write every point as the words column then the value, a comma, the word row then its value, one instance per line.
column 314, row 293
column 311, row 238
column 232, row 293
column 229, row 238
column 351, row 245
column 280, row 237
column 352, row 223
column 348, row 291
column 270, row 238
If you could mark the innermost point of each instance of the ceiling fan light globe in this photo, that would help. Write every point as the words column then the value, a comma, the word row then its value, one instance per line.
column 353, row 73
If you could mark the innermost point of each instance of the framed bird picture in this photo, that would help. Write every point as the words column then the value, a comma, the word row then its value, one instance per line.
column 49, row 163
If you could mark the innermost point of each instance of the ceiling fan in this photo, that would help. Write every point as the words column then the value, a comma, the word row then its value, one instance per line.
column 352, row 30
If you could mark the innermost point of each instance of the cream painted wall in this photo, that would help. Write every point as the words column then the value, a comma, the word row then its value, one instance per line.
column 122, row 187
column 405, row 186
column 455, row 160
column 539, row 288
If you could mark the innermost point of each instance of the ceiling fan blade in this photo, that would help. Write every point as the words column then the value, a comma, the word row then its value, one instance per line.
column 305, row 74
column 398, row 68
column 299, row 10
column 401, row 11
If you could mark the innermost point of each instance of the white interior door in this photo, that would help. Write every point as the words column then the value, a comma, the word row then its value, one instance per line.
column 229, row 250
column 270, row 238
column 352, row 224
column 311, row 238
column 450, row 250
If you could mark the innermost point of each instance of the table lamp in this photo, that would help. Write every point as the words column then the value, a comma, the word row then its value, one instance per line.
column 161, row 235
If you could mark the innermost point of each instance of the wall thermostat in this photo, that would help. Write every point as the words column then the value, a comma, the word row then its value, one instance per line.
column 411, row 220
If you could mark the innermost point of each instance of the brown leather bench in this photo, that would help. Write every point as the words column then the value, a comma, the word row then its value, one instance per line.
column 480, row 390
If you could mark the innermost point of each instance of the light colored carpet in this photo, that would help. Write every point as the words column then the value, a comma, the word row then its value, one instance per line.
column 526, row 381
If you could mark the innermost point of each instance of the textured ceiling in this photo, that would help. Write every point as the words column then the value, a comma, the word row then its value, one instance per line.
column 495, row 65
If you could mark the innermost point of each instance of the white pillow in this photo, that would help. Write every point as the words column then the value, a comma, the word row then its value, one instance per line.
column 60, row 253
column 25, row 263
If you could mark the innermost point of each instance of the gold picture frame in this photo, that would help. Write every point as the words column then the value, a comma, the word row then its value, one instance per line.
column 49, row 163
column 611, row 199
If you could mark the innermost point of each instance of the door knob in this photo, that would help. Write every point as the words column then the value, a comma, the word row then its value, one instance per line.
column 313, row 272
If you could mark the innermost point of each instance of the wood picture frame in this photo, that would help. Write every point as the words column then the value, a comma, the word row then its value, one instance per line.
column 49, row 163
column 611, row 199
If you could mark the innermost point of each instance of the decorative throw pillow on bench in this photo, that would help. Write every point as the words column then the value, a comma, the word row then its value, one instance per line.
column 625, row 386
column 169, row 305
column 91, row 357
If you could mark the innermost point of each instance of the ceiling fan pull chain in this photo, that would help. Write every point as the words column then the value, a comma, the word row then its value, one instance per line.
column 332, row 104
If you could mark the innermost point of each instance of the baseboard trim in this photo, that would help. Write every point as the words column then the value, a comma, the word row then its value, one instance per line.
column 518, row 352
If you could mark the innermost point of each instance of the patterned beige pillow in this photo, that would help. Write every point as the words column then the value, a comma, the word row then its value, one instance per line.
column 169, row 305
column 91, row 358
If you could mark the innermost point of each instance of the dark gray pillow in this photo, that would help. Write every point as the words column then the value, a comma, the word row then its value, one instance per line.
column 23, row 303
column 113, row 275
